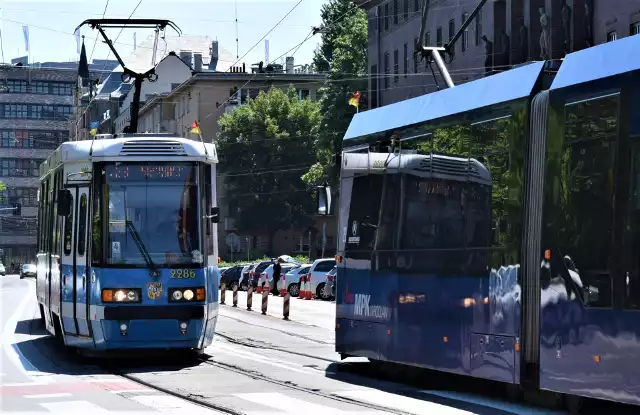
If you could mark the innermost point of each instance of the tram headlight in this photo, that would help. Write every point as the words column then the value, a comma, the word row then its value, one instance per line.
column 187, row 294
column 121, row 295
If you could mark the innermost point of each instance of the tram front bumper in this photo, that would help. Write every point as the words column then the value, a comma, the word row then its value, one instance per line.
column 152, row 326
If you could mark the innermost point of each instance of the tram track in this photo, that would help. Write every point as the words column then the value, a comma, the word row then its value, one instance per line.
column 292, row 386
column 94, row 368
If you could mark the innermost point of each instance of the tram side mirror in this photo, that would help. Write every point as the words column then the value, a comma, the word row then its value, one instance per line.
column 64, row 202
column 323, row 200
column 214, row 215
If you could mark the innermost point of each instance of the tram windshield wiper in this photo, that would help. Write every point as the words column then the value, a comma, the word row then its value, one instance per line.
column 143, row 251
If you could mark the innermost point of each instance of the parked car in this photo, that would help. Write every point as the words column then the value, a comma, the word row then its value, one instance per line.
column 231, row 276
column 3, row 270
column 293, row 278
column 317, row 275
column 257, row 271
column 268, row 272
column 28, row 270
column 330, row 285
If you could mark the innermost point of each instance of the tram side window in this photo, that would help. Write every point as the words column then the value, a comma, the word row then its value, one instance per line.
column 363, row 215
column 585, row 194
column 82, row 225
column 208, row 204
column 96, row 223
column 497, row 169
column 68, row 232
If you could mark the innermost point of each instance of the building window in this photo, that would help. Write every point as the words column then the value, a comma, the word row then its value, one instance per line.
column 302, row 94
column 18, row 226
column 43, row 112
column 395, row 66
column 405, row 8
column 465, row 34
column 17, row 86
column 40, row 139
column 379, row 18
column 19, row 167
column 386, row 70
column 478, row 27
column 416, row 6
column 386, row 16
column 452, row 33
column 635, row 29
column 395, row 11
column 611, row 36
column 15, row 111
column 406, row 60
column 26, row 196
column 427, row 42
column 439, row 36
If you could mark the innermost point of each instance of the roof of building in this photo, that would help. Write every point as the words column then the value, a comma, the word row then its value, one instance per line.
column 140, row 59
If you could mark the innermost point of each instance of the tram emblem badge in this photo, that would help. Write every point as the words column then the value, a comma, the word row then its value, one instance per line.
column 154, row 290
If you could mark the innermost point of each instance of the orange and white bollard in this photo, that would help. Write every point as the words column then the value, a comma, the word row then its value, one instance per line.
column 283, row 290
column 301, row 291
column 265, row 300
column 309, row 295
column 250, row 296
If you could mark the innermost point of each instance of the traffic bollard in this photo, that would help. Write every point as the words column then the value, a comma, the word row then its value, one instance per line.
column 223, row 291
column 285, row 306
column 235, row 295
column 249, row 296
column 265, row 300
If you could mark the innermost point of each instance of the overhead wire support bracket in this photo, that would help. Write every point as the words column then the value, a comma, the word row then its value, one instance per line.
column 138, row 77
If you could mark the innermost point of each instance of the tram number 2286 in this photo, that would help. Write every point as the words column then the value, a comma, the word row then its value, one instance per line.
column 182, row 273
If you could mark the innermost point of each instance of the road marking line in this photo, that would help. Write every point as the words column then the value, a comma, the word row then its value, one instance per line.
column 48, row 395
column 258, row 358
column 165, row 402
column 404, row 403
column 136, row 391
column 8, row 338
column 288, row 405
column 74, row 407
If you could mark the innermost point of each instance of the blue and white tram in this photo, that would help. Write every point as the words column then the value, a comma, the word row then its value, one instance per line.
column 127, row 253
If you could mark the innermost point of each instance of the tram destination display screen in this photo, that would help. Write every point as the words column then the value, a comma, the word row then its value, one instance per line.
column 151, row 172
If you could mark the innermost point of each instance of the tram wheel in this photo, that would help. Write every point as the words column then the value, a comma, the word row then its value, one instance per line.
column 573, row 403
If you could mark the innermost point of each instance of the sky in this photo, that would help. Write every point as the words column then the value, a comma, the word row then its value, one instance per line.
column 52, row 23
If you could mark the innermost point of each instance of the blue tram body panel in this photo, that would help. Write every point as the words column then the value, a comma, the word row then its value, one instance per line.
column 432, row 321
column 155, row 321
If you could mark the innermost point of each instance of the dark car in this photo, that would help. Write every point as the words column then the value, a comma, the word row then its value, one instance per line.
column 28, row 270
column 231, row 276
column 257, row 271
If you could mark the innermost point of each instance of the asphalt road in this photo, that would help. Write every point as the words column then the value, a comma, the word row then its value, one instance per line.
column 258, row 365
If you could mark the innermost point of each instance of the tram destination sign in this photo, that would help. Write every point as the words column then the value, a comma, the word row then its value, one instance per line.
column 143, row 172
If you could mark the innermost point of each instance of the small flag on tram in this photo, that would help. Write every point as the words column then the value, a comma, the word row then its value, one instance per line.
column 195, row 128
column 355, row 99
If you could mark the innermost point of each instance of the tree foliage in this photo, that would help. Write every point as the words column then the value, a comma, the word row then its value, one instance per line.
column 263, row 147
column 343, row 56
column 2, row 186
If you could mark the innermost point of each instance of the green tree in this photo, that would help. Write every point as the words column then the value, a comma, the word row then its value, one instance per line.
column 263, row 146
column 343, row 56
column 2, row 186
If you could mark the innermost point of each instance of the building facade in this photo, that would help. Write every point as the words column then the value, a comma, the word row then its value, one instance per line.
column 36, row 107
column 205, row 97
column 504, row 33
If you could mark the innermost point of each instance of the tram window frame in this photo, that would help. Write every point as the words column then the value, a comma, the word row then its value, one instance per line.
column 82, row 225
column 601, row 280
column 363, row 185
column 97, row 224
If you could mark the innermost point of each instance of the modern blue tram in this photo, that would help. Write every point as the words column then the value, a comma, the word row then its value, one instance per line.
column 532, row 279
column 127, row 243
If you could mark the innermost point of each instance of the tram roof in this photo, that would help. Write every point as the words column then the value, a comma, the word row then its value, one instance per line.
column 608, row 59
column 133, row 147
column 502, row 87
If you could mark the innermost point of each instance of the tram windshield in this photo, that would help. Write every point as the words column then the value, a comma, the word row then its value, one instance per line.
column 159, row 201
